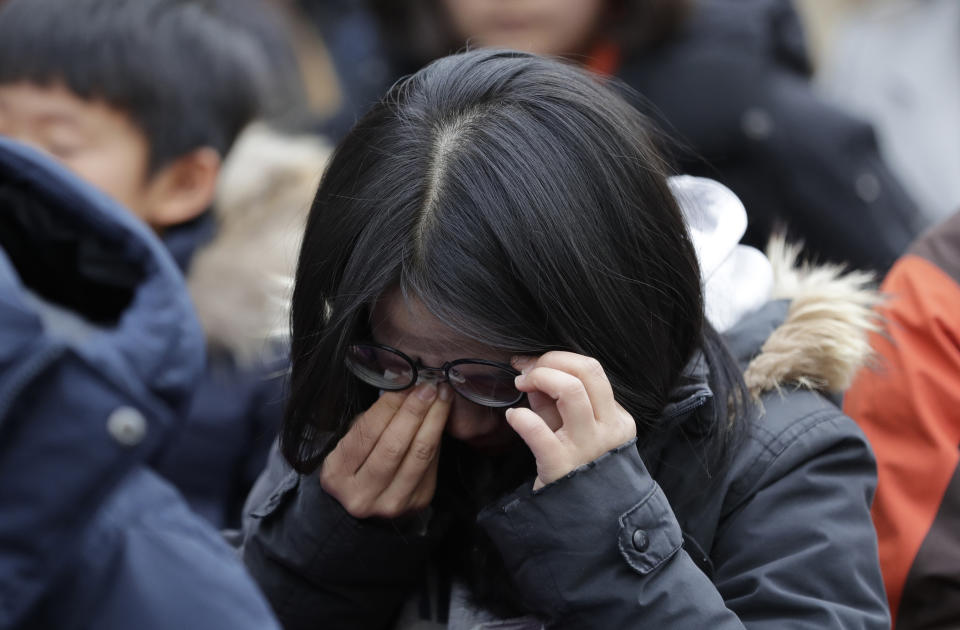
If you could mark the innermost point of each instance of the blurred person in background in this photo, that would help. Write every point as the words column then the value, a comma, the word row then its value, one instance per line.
column 907, row 403
column 100, row 351
column 727, row 80
column 896, row 63
column 344, row 61
column 144, row 99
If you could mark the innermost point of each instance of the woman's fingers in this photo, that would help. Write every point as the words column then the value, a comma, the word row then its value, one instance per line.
column 572, row 401
column 407, row 484
column 423, row 494
column 545, row 407
column 576, row 389
column 405, row 449
column 542, row 441
column 394, row 442
column 591, row 374
column 354, row 448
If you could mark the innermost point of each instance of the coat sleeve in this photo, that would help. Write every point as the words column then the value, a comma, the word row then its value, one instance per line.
column 907, row 405
column 603, row 549
column 314, row 561
column 150, row 563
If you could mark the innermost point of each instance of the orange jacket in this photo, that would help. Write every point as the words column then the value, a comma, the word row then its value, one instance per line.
column 908, row 404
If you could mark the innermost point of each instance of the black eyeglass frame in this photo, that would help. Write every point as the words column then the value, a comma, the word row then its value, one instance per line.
column 443, row 370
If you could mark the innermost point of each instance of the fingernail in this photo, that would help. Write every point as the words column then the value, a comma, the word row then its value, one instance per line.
column 445, row 392
column 521, row 363
column 427, row 392
column 519, row 380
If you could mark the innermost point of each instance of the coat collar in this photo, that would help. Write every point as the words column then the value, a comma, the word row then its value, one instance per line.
column 149, row 341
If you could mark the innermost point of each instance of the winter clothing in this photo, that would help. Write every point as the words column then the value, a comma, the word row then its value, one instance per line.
column 99, row 352
column 907, row 405
column 894, row 63
column 233, row 260
column 737, row 279
column 643, row 536
column 730, row 88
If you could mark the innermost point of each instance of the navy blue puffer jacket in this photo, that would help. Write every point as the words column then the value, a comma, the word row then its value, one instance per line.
column 99, row 351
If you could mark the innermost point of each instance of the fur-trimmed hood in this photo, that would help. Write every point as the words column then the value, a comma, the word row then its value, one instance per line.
column 823, row 340
column 816, row 337
column 263, row 197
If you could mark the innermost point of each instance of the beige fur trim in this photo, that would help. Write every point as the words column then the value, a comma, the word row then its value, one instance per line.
column 240, row 281
column 824, row 340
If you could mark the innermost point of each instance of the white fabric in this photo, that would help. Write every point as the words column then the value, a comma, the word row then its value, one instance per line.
column 737, row 279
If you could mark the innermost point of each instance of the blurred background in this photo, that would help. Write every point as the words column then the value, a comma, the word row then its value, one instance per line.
column 742, row 88
column 836, row 122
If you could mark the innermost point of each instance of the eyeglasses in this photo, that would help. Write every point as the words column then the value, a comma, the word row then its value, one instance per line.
column 486, row 383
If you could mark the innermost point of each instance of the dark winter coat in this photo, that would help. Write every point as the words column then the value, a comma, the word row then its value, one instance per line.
column 732, row 90
column 99, row 353
column 641, row 537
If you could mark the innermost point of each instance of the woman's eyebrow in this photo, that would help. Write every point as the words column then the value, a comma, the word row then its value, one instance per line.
column 440, row 345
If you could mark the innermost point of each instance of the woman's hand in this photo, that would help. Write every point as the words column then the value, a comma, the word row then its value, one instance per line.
column 573, row 418
column 386, row 464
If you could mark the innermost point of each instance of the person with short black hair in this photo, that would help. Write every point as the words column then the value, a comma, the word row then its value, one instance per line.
column 144, row 99
column 179, row 78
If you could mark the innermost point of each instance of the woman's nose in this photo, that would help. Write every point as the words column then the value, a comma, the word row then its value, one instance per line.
column 467, row 421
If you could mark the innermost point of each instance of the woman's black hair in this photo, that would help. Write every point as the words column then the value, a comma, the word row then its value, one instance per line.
column 525, row 205
column 418, row 31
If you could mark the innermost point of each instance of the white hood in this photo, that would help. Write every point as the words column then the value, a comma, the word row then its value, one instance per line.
column 737, row 279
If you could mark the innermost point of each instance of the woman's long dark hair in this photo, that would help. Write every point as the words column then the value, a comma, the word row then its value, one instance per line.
column 525, row 205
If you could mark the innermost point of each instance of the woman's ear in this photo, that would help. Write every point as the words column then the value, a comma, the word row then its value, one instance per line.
column 182, row 189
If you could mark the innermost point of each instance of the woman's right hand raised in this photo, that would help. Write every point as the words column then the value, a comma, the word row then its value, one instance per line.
column 386, row 464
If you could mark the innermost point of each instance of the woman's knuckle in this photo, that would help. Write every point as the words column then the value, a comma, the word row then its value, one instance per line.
column 356, row 506
column 593, row 367
column 390, row 508
column 414, row 406
column 326, row 481
column 548, row 357
column 539, row 430
column 330, row 477
column 571, row 388
column 423, row 451
column 393, row 450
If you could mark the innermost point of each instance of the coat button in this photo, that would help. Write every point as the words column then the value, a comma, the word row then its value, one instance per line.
column 868, row 187
column 640, row 540
column 756, row 123
column 127, row 426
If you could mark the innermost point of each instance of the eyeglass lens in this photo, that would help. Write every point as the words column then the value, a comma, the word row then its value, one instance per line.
column 481, row 383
